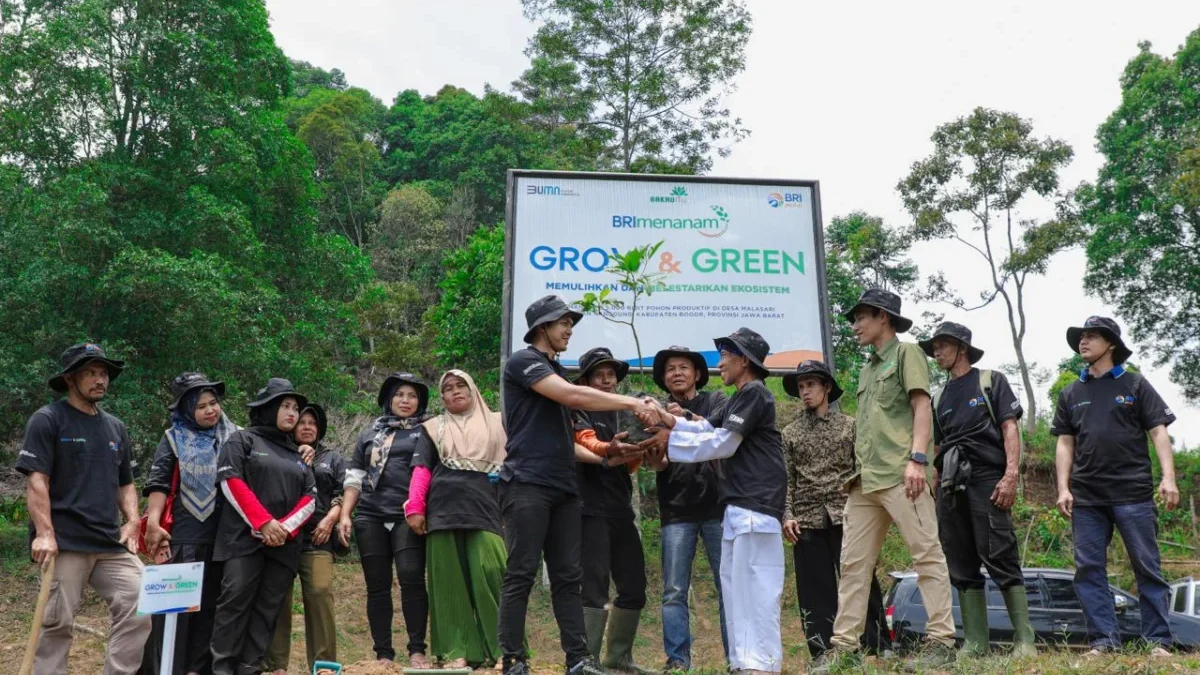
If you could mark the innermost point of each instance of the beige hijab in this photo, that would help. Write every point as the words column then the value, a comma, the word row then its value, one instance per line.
column 473, row 440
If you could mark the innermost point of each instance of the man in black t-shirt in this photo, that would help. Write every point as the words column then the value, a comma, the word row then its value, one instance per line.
column 539, row 500
column 753, row 487
column 79, row 465
column 977, row 450
column 688, row 504
column 1104, row 480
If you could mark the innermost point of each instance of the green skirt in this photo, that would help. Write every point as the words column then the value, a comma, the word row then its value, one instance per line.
column 466, row 569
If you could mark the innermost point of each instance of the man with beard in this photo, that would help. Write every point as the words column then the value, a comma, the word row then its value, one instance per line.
column 79, row 465
column 819, row 448
column 1105, row 481
column 978, row 455
column 753, row 489
column 688, row 503
column 539, row 499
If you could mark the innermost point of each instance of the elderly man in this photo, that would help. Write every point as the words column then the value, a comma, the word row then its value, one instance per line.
column 79, row 465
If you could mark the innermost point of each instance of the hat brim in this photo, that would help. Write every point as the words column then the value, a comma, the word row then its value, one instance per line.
column 552, row 315
column 900, row 323
column 754, row 362
column 1121, row 353
column 386, row 387
column 659, row 368
column 973, row 353
column 301, row 399
column 618, row 365
column 219, row 387
column 59, row 382
column 791, row 385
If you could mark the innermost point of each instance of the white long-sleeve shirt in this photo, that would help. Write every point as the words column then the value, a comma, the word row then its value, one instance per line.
column 698, row 441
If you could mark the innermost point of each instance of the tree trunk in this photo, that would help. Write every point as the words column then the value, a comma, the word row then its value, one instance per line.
column 1030, row 393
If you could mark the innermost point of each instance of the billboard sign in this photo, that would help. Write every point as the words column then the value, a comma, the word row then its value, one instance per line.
column 734, row 253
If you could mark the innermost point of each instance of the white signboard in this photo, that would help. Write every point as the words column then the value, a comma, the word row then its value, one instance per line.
column 734, row 253
column 171, row 589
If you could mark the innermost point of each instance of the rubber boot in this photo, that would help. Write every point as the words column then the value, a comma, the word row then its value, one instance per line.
column 973, row 604
column 622, row 630
column 1017, row 603
column 594, row 621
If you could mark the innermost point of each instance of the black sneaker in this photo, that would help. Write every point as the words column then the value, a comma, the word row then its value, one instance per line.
column 516, row 668
column 588, row 666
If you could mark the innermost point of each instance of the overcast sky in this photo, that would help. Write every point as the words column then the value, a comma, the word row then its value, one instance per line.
column 844, row 93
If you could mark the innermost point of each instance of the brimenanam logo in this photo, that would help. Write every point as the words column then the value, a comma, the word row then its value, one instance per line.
column 711, row 226
column 550, row 191
column 678, row 196
column 785, row 199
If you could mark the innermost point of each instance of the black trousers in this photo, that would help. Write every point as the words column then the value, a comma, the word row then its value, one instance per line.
column 613, row 549
column 193, row 631
column 252, row 591
column 818, row 556
column 975, row 532
column 380, row 550
column 537, row 520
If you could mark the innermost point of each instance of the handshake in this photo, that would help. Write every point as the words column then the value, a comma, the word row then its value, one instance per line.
column 646, row 433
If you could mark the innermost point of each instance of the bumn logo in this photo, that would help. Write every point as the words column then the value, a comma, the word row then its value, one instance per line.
column 550, row 191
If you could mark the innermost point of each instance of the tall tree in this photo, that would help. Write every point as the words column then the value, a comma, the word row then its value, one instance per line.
column 649, row 78
column 151, row 197
column 983, row 168
column 1143, row 211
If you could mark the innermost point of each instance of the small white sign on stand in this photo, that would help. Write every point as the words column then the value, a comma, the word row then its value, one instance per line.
column 170, row 590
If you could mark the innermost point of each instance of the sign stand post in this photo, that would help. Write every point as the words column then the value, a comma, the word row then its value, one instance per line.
column 170, row 590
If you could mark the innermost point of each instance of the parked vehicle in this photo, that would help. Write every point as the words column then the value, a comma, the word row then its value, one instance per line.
column 1185, row 597
column 1054, row 611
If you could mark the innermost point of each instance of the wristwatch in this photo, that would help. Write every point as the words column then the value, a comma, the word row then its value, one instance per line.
column 919, row 458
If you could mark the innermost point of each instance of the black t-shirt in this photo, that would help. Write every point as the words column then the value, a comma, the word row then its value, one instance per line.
column 688, row 493
column 87, row 457
column 606, row 493
column 458, row 499
column 962, row 419
column 186, row 530
column 329, row 472
column 268, row 462
column 385, row 502
column 755, row 477
column 541, row 444
column 1110, row 416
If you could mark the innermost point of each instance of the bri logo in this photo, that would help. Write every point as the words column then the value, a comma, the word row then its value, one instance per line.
column 975, row 402
column 114, row 446
column 709, row 226
column 1126, row 400
column 785, row 199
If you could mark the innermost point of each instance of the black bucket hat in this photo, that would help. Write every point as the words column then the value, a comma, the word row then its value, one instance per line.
column 396, row 379
column 322, row 419
column 748, row 344
column 277, row 387
column 185, row 382
column 958, row 332
column 660, row 365
column 600, row 356
column 885, row 300
column 547, row 309
column 791, row 381
column 77, row 356
column 1106, row 327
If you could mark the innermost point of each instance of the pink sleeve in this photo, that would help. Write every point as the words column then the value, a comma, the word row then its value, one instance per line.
column 418, row 490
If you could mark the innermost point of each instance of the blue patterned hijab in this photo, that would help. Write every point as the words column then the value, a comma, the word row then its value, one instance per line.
column 196, row 455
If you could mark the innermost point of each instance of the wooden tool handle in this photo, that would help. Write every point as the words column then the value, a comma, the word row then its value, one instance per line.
column 39, row 615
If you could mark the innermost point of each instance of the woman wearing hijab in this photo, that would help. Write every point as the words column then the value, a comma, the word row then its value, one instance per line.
column 376, row 488
column 316, row 560
column 269, row 495
column 185, row 464
column 454, row 502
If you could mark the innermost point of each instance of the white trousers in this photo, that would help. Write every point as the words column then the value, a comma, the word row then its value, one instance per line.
column 752, row 589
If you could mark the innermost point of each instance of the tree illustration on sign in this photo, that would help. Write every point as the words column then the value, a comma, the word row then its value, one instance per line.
column 632, row 271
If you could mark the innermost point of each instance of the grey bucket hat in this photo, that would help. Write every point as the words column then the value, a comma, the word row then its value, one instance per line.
column 958, row 332
column 547, row 309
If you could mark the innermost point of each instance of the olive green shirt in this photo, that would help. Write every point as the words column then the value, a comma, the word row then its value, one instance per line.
column 884, row 426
